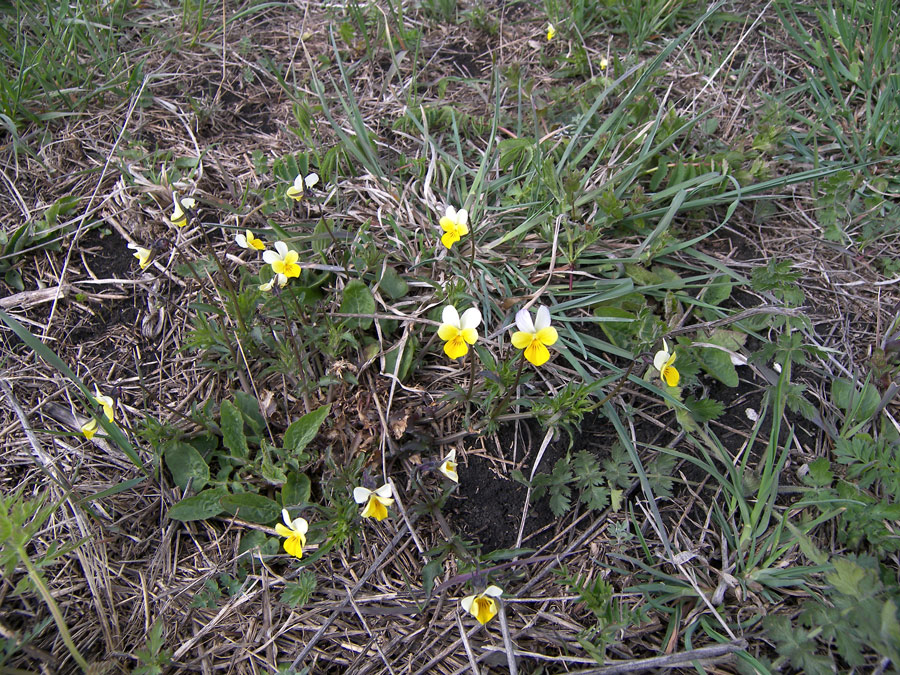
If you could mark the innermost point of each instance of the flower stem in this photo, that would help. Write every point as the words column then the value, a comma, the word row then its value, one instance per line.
column 501, row 406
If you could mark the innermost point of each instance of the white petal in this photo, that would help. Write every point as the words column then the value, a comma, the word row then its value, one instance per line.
column 666, row 346
column 361, row 495
column 524, row 322
column 285, row 516
column 385, row 491
column 451, row 213
column 659, row 361
column 300, row 525
column 282, row 279
column 451, row 456
column 450, row 316
column 471, row 318
column 298, row 182
column 241, row 240
column 493, row 591
column 312, row 179
column 542, row 320
column 270, row 256
column 133, row 246
column 466, row 603
column 282, row 249
column 189, row 202
column 462, row 217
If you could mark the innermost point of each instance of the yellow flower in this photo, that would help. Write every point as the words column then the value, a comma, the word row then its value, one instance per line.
column 295, row 531
column 376, row 501
column 455, row 225
column 301, row 186
column 90, row 427
column 448, row 466
column 456, row 331
column 551, row 32
column 249, row 240
column 534, row 337
column 270, row 284
column 144, row 255
column 482, row 606
column 604, row 63
column 663, row 363
column 182, row 206
column 283, row 261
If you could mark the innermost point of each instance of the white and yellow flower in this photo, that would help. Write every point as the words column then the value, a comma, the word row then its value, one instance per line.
column 144, row 255
column 448, row 466
column 250, row 240
column 295, row 531
column 551, row 32
column 483, row 606
column 534, row 337
column 457, row 331
column 90, row 427
column 302, row 185
column 604, row 63
column 663, row 363
column 376, row 501
column 182, row 206
column 455, row 224
column 283, row 261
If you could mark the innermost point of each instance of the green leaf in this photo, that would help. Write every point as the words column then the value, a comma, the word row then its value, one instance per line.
column 705, row 409
column 357, row 299
column 299, row 592
column 296, row 489
column 250, row 407
column 431, row 570
column 718, row 291
column 186, row 464
column 718, row 364
column 301, row 432
column 393, row 284
column 232, row 423
column 390, row 358
column 252, row 507
column 846, row 577
column 200, row 506
column 861, row 404
column 256, row 539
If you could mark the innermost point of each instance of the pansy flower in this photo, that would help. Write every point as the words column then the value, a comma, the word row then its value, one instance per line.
column 182, row 206
column 551, row 32
column 301, row 186
column 483, row 606
column 663, row 363
column 107, row 403
column 455, row 225
column 376, row 501
column 144, row 255
column 249, row 240
column 448, row 466
column 457, row 331
column 283, row 261
column 534, row 337
column 295, row 531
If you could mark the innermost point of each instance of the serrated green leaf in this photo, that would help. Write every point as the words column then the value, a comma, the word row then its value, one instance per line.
column 186, row 465
column 560, row 502
column 717, row 364
column 232, row 425
column 718, row 290
column 846, row 577
column 357, row 299
column 199, row 507
column 302, row 431
column 705, row 409
column 256, row 539
column 299, row 592
column 296, row 489
column 251, row 507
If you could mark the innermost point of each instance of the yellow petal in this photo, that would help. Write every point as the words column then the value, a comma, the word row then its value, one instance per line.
column 291, row 269
column 448, row 468
column 294, row 545
column 670, row 376
column 448, row 224
column 447, row 332
column 294, row 193
column 484, row 609
column 375, row 509
column 470, row 335
column 89, row 429
column 456, row 347
column 521, row 339
column 450, row 238
column 537, row 354
column 283, row 531
column 547, row 336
